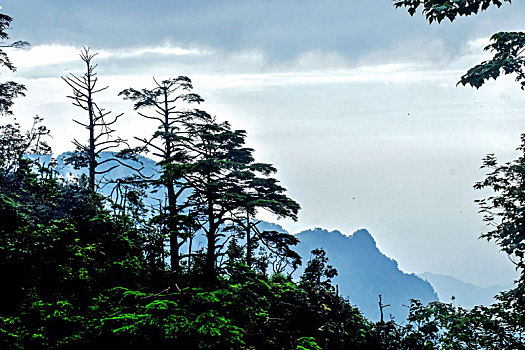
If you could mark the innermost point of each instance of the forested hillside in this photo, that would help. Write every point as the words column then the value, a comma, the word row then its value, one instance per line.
column 84, row 268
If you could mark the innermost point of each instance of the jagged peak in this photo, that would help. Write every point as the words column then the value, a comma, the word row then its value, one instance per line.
column 324, row 231
column 362, row 235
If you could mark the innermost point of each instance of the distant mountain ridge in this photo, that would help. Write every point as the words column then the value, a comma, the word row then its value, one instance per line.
column 148, row 168
column 465, row 294
column 67, row 170
column 365, row 272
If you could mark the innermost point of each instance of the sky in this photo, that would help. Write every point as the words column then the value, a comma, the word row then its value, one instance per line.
column 353, row 101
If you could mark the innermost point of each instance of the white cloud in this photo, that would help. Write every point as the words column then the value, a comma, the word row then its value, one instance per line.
column 245, row 68
column 166, row 50
column 43, row 55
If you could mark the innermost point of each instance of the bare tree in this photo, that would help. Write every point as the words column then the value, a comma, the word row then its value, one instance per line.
column 101, row 132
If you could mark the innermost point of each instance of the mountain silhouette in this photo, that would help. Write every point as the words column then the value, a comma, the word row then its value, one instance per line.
column 465, row 294
column 365, row 272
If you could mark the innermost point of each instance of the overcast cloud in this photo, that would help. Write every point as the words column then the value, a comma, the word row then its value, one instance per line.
column 283, row 29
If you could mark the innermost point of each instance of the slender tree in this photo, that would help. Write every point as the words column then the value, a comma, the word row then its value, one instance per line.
column 100, row 131
column 259, row 191
column 217, row 154
column 228, row 187
column 166, row 102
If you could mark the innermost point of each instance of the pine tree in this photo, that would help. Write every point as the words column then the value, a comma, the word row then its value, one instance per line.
column 166, row 101
column 229, row 187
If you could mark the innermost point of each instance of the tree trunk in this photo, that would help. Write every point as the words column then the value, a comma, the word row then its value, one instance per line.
column 91, row 112
column 173, row 231
column 172, row 200
column 209, row 268
column 249, row 252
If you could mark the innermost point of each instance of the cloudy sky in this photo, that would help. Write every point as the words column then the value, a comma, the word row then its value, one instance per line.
column 355, row 103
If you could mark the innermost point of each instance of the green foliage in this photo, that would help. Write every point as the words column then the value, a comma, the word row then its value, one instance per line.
column 438, row 10
column 8, row 90
column 59, row 247
column 318, row 273
column 307, row 343
column 444, row 326
column 504, row 210
column 247, row 311
column 508, row 48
